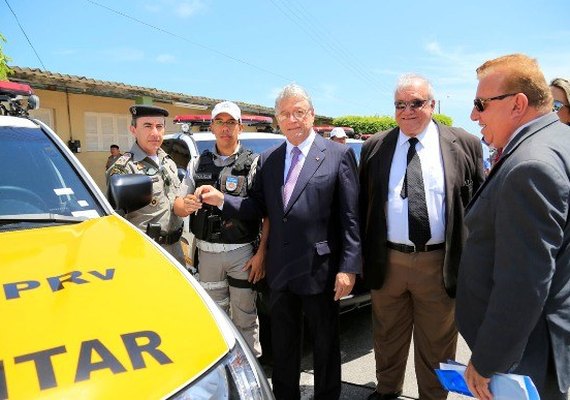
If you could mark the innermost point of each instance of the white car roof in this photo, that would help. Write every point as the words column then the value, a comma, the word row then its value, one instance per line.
column 198, row 136
column 16, row 122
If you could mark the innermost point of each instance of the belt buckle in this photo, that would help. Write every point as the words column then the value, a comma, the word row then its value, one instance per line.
column 421, row 249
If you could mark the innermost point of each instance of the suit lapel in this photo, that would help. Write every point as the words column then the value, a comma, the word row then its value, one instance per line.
column 450, row 163
column 523, row 135
column 381, row 160
column 278, row 172
column 312, row 163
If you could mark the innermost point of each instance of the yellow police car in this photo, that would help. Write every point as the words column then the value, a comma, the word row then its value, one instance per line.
column 91, row 307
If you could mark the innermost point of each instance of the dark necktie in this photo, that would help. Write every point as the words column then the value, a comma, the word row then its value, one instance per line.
column 292, row 175
column 413, row 189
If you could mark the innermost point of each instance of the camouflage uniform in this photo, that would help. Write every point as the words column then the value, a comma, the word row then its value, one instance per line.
column 166, row 187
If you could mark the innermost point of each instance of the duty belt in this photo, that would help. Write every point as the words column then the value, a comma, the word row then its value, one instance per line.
column 171, row 237
column 405, row 248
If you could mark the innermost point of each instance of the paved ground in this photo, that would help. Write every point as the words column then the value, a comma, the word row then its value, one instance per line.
column 358, row 373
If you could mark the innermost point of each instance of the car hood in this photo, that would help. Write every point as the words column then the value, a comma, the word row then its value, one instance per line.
column 95, row 310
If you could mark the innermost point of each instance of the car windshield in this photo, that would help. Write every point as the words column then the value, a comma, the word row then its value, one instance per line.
column 356, row 146
column 38, row 185
column 258, row 146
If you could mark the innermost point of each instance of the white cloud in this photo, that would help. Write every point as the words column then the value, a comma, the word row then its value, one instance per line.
column 123, row 54
column 433, row 48
column 272, row 95
column 186, row 9
column 180, row 8
column 166, row 59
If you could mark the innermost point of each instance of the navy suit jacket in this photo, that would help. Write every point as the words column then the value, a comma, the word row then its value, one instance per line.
column 513, row 296
column 463, row 170
column 317, row 234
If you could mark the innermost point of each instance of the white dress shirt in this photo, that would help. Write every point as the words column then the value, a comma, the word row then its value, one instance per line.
column 429, row 152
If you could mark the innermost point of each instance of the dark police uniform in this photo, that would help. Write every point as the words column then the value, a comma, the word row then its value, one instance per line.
column 166, row 186
column 224, row 246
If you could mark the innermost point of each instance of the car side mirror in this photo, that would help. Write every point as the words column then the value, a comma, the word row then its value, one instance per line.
column 129, row 192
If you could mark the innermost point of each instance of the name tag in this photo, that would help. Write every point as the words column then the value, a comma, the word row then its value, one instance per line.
column 203, row 176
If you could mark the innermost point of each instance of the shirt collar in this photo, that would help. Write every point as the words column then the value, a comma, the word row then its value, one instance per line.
column 139, row 154
column 216, row 154
column 520, row 128
column 422, row 137
column 304, row 146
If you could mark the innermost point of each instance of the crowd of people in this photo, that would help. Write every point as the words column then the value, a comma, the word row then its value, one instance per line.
column 445, row 246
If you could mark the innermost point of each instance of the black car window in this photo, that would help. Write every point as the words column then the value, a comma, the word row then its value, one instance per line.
column 37, row 178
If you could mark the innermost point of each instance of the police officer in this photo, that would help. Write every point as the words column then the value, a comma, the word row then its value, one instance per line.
column 146, row 157
column 226, row 261
column 114, row 156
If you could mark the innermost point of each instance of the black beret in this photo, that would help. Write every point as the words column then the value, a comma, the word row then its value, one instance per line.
column 142, row 110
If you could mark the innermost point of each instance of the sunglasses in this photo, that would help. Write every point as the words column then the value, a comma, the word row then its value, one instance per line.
column 479, row 103
column 557, row 105
column 414, row 104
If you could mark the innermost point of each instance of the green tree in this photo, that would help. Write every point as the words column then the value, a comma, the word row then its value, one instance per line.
column 371, row 124
column 4, row 69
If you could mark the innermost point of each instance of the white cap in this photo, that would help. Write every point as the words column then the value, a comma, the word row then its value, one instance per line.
column 229, row 108
column 338, row 132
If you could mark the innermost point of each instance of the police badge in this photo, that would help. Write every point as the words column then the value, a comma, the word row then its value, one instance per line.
column 231, row 183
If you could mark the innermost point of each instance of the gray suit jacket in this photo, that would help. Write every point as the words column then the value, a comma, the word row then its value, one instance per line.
column 317, row 234
column 463, row 170
column 513, row 297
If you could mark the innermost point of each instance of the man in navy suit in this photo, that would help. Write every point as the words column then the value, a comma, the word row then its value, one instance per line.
column 513, row 292
column 308, row 188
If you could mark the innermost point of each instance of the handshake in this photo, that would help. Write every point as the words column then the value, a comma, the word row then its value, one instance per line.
column 205, row 194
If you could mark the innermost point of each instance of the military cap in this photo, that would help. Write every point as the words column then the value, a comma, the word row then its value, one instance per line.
column 143, row 110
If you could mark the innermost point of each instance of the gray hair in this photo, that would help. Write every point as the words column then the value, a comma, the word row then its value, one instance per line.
column 408, row 80
column 564, row 85
column 292, row 90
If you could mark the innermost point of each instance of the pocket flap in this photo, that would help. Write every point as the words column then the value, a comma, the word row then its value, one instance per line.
column 322, row 248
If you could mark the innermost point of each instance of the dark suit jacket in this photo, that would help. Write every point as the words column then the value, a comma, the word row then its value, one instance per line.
column 463, row 170
column 317, row 235
column 514, row 279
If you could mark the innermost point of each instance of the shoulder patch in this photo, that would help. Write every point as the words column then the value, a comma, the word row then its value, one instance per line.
column 124, row 159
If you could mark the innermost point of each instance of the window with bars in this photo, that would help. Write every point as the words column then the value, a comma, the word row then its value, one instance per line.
column 105, row 129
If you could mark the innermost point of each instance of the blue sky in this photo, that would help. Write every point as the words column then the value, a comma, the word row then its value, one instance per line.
column 347, row 53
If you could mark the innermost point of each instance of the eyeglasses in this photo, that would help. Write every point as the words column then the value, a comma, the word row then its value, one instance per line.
column 414, row 104
column 557, row 105
column 230, row 123
column 297, row 115
column 479, row 103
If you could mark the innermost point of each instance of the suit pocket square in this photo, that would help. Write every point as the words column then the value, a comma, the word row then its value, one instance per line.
column 322, row 248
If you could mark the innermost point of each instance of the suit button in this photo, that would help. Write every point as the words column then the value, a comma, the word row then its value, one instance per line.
column 284, row 219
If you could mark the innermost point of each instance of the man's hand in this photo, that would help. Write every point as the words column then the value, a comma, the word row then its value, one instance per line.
column 210, row 195
column 256, row 265
column 191, row 204
column 478, row 385
column 343, row 284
